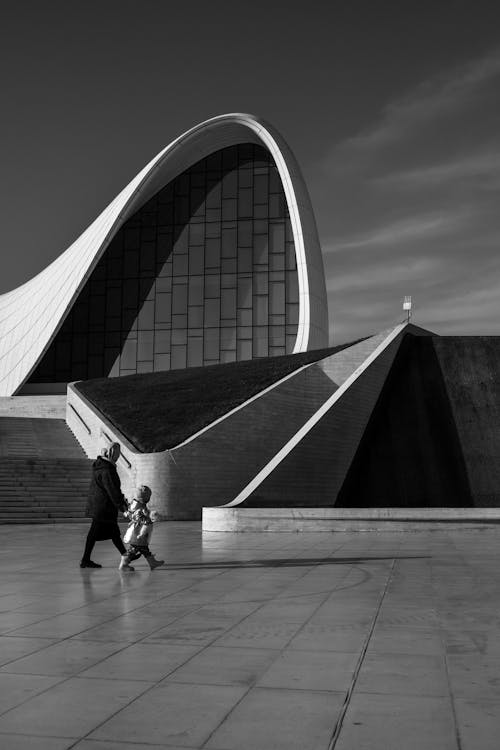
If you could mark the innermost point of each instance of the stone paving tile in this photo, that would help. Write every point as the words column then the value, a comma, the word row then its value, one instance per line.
column 388, row 639
column 103, row 745
column 12, row 648
column 70, row 709
column 23, row 742
column 189, row 714
column 225, row 666
column 474, row 676
column 15, row 689
column 397, row 722
column 324, row 637
column 64, row 658
column 478, row 723
column 403, row 674
column 259, row 633
column 279, row 720
column 480, row 641
column 13, row 621
column 310, row 670
column 142, row 660
column 61, row 626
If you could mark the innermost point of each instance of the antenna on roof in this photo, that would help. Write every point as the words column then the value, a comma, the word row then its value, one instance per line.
column 407, row 307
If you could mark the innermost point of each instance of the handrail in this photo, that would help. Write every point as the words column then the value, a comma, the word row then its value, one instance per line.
column 81, row 419
column 122, row 456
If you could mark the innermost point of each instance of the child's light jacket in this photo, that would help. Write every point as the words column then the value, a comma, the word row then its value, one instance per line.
column 140, row 528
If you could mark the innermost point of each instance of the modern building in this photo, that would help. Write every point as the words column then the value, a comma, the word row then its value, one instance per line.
column 209, row 255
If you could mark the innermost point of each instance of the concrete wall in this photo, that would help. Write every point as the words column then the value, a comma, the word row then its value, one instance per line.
column 470, row 367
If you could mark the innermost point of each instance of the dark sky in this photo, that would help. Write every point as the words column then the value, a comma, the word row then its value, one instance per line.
column 391, row 108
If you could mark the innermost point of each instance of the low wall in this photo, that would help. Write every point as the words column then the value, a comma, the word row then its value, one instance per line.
column 345, row 519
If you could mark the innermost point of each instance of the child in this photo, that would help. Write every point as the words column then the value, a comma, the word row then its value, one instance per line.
column 139, row 531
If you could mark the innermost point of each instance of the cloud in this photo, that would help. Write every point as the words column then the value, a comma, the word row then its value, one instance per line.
column 372, row 276
column 402, row 231
column 411, row 207
column 438, row 97
column 482, row 167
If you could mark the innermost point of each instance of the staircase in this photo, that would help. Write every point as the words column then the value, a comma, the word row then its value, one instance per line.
column 44, row 473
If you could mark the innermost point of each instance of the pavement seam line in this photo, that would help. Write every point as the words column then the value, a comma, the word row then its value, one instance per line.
column 340, row 721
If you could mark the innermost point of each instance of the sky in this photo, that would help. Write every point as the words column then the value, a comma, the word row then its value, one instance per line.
column 392, row 110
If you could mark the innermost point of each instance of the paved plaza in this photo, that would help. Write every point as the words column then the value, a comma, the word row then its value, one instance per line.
column 352, row 641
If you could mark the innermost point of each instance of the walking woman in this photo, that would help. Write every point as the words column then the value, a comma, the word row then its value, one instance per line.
column 104, row 501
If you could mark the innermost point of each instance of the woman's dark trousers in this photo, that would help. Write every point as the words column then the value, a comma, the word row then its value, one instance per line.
column 100, row 530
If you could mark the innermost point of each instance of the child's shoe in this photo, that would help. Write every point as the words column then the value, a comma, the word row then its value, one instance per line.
column 124, row 563
column 153, row 562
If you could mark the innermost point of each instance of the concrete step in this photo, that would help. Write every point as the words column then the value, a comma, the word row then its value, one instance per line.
column 44, row 473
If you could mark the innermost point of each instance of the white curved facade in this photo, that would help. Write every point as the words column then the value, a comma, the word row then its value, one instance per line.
column 31, row 315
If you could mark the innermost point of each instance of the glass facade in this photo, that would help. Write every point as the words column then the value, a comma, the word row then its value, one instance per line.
column 203, row 273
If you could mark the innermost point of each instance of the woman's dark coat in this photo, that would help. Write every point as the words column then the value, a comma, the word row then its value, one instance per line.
column 105, row 497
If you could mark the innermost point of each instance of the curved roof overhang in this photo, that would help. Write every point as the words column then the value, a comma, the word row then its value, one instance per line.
column 31, row 315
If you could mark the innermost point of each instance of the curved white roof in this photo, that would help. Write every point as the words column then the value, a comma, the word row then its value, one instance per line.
column 31, row 315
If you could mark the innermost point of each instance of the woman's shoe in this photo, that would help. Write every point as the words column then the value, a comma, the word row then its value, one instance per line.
column 124, row 564
column 89, row 564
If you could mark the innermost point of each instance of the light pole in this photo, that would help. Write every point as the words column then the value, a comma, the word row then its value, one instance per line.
column 407, row 307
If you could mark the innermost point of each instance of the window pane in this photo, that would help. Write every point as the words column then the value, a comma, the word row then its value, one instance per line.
column 245, row 260
column 162, row 342
column 230, row 185
column 212, row 253
column 146, row 321
column 196, row 285
column 260, row 188
column 245, row 202
column 276, row 298
column 196, row 260
column 128, row 359
column 195, row 352
column 178, row 357
column 195, row 317
column 228, row 338
column 163, row 305
column 276, row 238
column 211, row 344
column 212, row 312
column 260, row 311
column 229, row 209
column 244, row 350
column 229, row 243
column 179, row 298
column 260, row 283
column 292, row 287
column 245, row 234
column 228, row 303
column 244, row 292
column 196, row 234
column 260, row 342
column 180, row 265
column 145, row 345
column 212, row 287
column 179, row 336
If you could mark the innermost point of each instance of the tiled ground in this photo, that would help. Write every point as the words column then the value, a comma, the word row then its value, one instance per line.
column 368, row 641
